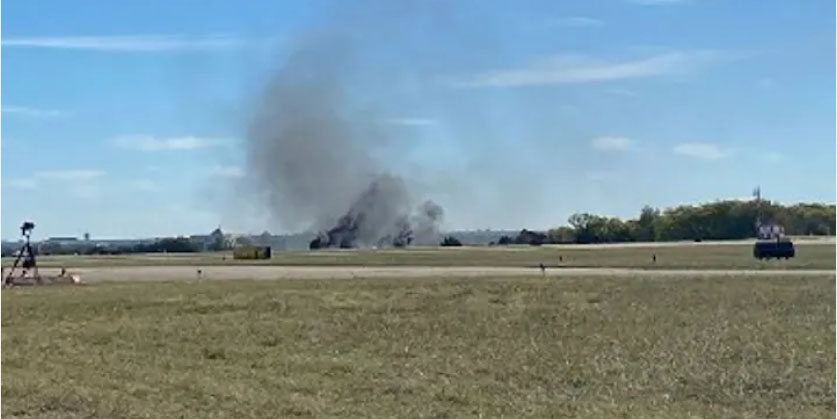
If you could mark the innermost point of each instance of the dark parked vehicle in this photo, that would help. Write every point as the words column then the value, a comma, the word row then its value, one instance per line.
column 778, row 249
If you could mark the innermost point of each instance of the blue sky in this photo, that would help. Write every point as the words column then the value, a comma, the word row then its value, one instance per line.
column 126, row 119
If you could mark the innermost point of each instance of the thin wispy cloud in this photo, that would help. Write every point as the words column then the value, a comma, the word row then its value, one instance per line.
column 228, row 172
column 85, row 190
column 611, row 143
column 701, row 151
column 128, row 43
column 622, row 92
column 31, row 112
column 20, row 183
column 575, row 69
column 150, row 143
column 415, row 122
column 74, row 175
column 578, row 22
column 80, row 183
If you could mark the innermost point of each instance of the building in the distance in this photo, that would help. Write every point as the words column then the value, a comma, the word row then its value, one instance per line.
column 216, row 240
column 62, row 240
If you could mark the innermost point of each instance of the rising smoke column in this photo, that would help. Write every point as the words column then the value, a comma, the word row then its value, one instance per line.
column 302, row 151
column 308, row 140
column 307, row 157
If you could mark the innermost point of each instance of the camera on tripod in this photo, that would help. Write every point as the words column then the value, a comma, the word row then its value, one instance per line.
column 25, row 257
column 27, row 228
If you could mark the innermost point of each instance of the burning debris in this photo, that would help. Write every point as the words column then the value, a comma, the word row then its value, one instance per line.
column 309, row 156
column 379, row 218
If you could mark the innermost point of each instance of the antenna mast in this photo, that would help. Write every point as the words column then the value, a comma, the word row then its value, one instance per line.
column 757, row 194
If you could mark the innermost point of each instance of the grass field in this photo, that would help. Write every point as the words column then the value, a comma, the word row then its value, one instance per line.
column 526, row 347
column 714, row 256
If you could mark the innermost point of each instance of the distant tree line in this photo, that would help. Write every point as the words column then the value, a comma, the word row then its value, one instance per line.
column 525, row 236
column 163, row 245
column 167, row 245
column 722, row 220
column 450, row 241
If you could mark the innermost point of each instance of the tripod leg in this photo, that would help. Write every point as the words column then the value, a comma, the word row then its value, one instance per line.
column 33, row 264
column 8, row 280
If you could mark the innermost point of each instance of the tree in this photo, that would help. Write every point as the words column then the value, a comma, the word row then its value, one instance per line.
column 450, row 241
column 561, row 235
column 615, row 230
column 532, row 238
column 175, row 245
column 645, row 224
column 588, row 228
column 720, row 220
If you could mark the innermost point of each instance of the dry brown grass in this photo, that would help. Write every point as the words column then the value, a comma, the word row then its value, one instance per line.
column 524, row 347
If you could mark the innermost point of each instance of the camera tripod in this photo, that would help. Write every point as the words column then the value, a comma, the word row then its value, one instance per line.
column 26, row 255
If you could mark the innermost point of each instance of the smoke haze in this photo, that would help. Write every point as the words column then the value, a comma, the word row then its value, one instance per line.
column 308, row 156
column 365, row 98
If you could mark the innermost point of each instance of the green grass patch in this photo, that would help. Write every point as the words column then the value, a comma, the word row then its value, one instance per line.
column 709, row 256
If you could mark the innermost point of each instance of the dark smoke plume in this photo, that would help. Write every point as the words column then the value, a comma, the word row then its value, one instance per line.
column 308, row 156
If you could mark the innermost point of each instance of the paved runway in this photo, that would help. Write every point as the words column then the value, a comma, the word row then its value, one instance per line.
column 167, row 273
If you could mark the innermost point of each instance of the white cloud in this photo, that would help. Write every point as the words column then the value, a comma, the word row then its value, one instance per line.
column 129, row 43
column 151, row 143
column 228, row 171
column 578, row 21
column 574, row 69
column 31, row 112
column 80, row 183
column 76, row 175
column 612, row 143
column 703, row 151
column 409, row 121
column 20, row 183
